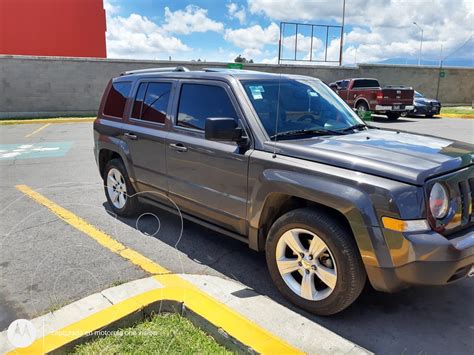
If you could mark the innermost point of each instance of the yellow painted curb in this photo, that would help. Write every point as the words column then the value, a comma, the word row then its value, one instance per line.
column 175, row 288
column 47, row 120
column 233, row 323
column 453, row 115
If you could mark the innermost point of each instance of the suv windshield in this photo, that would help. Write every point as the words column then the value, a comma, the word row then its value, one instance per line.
column 303, row 105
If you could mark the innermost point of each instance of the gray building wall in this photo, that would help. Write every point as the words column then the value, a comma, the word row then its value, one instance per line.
column 50, row 86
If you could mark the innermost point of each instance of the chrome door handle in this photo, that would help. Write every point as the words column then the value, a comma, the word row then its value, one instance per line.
column 179, row 147
column 131, row 136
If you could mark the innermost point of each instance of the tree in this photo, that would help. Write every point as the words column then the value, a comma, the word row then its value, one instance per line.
column 240, row 59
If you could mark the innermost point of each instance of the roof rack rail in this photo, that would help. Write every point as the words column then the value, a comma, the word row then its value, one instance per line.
column 226, row 70
column 156, row 70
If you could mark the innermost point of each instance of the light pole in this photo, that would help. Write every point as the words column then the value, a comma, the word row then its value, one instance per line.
column 342, row 31
column 421, row 43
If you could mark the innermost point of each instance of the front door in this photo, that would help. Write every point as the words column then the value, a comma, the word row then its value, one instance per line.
column 207, row 179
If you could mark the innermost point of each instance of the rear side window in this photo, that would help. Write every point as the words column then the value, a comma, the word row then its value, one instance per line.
column 115, row 103
column 200, row 101
column 366, row 83
column 151, row 102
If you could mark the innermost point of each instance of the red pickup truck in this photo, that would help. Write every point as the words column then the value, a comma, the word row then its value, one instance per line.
column 366, row 94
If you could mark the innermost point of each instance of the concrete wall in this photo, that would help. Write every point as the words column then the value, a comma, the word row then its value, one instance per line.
column 47, row 86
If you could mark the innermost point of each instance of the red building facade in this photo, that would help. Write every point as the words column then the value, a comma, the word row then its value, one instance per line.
column 69, row 28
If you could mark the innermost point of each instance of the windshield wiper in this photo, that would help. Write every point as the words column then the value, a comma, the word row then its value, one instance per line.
column 305, row 132
column 356, row 126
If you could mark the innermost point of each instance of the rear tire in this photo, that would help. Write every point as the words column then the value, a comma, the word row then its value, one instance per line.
column 392, row 116
column 361, row 107
column 327, row 274
column 118, row 189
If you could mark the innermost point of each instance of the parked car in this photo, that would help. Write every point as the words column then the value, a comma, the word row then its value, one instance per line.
column 365, row 94
column 424, row 106
column 281, row 163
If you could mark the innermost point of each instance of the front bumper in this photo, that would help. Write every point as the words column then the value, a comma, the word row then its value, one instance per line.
column 424, row 259
column 426, row 110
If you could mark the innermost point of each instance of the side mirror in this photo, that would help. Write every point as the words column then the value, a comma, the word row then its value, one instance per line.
column 222, row 129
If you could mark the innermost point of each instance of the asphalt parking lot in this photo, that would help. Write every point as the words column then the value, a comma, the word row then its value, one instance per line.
column 45, row 263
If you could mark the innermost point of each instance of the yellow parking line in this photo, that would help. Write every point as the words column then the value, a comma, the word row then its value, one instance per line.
column 47, row 120
column 176, row 288
column 37, row 130
column 96, row 234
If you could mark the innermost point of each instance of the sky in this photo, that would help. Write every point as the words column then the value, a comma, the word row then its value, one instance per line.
column 375, row 31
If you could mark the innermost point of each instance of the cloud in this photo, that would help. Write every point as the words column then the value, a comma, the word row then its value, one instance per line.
column 111, row 8
column 234, row 12
column 254, row 37
column 191, row 19
column 296, row 9
column 383, row 28
column 138, row 37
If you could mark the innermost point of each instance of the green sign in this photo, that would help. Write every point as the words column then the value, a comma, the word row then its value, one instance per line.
column 235, row 66
column 442, row 74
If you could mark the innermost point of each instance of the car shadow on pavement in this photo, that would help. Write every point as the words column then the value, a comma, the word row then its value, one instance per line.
column 417, row 320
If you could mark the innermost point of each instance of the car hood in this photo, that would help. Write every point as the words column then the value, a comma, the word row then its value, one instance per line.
column 401, row 156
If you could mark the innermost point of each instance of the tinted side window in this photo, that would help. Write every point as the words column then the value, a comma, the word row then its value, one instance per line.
column 343, row 84
column 137, row 105
column 364, row 83
column 198, row 102
column 156, row 102
column 115, row 103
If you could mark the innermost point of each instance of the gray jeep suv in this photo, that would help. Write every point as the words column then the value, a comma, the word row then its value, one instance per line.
column 281, row 163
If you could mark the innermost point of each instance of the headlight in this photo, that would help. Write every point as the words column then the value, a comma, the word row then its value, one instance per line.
column 439, row 203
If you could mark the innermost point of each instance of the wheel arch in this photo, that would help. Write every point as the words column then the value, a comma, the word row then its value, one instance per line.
column 111, row 148
column 278, row 203
column 106, row 155
column 361, row 99
column 349, row 205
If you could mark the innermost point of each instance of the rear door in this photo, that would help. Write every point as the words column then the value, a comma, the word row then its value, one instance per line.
column 206, row 178
column 145, row 134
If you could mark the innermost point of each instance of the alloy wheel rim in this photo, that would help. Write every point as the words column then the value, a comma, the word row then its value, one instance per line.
column 306, row 264
column 116, row 188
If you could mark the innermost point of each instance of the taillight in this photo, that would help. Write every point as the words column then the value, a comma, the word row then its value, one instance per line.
column 379, row 96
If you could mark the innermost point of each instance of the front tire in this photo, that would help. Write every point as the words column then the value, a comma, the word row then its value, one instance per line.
column 314, row 262
column 118, row 189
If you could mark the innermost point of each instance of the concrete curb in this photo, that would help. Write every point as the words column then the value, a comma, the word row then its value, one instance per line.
column 452, row 115
column 47, row 120
column 124, row 305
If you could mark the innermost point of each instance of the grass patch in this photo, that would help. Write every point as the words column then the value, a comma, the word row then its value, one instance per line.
column 117, row 283
column 459, row 110
column 167, row 333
